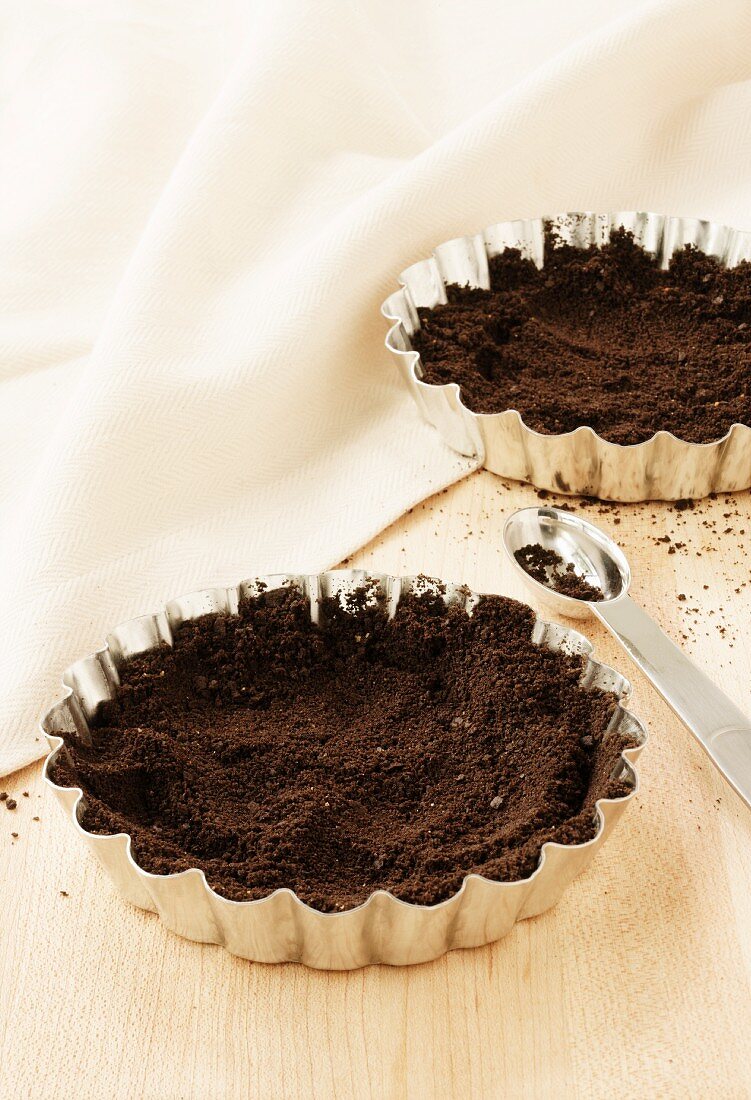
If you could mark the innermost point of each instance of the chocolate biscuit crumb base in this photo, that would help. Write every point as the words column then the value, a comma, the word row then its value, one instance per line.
column 600, row 337
column 351, row 756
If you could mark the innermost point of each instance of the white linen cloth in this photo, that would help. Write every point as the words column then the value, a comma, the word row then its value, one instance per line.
column 202, row 205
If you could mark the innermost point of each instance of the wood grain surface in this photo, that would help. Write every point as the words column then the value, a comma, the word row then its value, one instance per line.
column 637, row 984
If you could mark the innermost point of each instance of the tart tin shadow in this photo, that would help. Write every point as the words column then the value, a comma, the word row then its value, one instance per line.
column 280, row 927
column 580, row 462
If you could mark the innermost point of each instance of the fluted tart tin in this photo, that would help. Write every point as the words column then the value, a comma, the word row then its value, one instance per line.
column 580, row 462
column 280, row 927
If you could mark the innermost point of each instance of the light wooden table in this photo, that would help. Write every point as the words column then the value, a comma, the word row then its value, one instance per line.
column 637, row 984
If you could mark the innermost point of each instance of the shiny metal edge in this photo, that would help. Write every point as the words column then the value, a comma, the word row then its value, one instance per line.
column 281, row 927
column 578, row 462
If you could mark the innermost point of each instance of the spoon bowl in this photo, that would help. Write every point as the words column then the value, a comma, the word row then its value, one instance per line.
column 594, row 556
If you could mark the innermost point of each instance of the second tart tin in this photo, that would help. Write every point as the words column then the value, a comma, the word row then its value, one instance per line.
column 578, row 462
column 281, row 927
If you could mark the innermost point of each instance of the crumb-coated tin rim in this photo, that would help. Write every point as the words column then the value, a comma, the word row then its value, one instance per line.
column 281, row 927
column 663, row 467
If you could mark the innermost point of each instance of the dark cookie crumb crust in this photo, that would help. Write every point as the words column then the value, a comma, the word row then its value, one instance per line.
column 358, row 754
column 600, row 337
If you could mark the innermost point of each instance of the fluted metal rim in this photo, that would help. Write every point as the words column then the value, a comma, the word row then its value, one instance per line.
column 632, row 471
column 91, row 679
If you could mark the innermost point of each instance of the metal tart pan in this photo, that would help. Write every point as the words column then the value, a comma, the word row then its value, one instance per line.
column 580, row 462
column 280, row 927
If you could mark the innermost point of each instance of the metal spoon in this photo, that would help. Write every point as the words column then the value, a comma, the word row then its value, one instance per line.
column 715, row 721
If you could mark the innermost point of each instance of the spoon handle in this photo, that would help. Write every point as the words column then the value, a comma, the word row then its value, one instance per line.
column 715, row 721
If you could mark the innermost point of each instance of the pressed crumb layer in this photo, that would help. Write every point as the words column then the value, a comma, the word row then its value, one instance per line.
column 357, row 754
column 600, row 337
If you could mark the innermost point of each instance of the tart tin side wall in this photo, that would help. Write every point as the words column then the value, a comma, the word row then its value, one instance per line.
column 579, row 462
column 281, row 928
